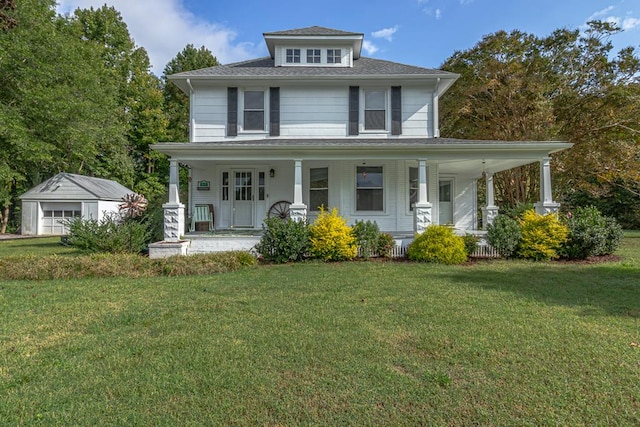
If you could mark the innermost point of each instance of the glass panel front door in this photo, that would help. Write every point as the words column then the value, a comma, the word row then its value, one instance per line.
column 243, row 199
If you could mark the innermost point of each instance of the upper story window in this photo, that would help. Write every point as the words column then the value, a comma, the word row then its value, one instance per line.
column 293, row 56
column 375, row 115
column 334, row 56
column 253, row 110
column 313, row 56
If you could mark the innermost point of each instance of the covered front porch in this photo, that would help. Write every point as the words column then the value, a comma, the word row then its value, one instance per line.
column 403, row 186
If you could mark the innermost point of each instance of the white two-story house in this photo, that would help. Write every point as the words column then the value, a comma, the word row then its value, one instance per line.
column 317, row 124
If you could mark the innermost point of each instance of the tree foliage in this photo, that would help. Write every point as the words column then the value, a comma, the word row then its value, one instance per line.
column 176, row 102
column 566, row 86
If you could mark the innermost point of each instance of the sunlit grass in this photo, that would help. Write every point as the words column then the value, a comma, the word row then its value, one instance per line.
column 362, row 343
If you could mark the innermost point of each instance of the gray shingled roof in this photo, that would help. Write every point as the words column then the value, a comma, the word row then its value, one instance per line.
column 264, row 67
column 102, row 189
column 312, row 31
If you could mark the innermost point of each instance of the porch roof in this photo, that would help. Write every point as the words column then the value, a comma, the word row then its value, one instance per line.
column 454, row 155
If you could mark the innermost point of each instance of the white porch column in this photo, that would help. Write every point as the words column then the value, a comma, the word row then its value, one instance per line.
column 173, row 210
column 546, row 204
column 490, row 211
column 422, row 208
column 297, row 210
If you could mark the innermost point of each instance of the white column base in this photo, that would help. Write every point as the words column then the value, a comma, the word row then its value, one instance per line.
column 489, row 214
column 545, row 208
column 167, row 249
column 422, row 217
column 298, row 212
column 173, row 221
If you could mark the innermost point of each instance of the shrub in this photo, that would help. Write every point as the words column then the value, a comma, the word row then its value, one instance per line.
column 590, row 234
column 504, row 235
column 112, row 234
column 386, row 243
column 331, row 238
column 284, row 240
column 470, row 243
column 542, row 236
column 438, row 244
column 367, row 234
column 516, row 211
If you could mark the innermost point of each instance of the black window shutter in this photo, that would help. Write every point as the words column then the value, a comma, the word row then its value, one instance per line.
column 396, row 110
column 274, row 111
column 354, row 109
column 232, row 111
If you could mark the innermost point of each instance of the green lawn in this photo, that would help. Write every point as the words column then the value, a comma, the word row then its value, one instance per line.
column 39, row 246
column 361, row 343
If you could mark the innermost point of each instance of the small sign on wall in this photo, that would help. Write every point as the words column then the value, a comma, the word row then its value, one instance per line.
column 204, row 185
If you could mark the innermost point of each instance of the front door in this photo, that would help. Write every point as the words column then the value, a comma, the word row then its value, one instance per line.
column 445, row 202
column 243, row 199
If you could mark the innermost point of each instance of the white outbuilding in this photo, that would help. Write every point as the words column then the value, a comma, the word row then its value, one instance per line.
column 47, row 206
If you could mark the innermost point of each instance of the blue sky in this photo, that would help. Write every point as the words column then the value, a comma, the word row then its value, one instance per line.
column 416, row 32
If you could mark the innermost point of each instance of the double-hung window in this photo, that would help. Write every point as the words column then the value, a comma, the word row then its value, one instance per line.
column 369, row 188
column 253, row 110
column 318, row 188
column 375, row 111
column 334, row 56
column 313, row 56
column 293, row 56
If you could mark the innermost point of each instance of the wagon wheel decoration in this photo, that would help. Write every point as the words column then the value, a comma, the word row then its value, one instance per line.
column 279, row 210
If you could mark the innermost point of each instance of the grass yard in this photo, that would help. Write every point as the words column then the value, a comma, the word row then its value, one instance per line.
column 360, row 343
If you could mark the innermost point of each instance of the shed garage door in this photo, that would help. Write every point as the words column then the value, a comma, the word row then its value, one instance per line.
column 55, row 215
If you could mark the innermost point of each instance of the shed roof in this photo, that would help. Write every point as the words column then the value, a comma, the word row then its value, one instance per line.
column 92, row 188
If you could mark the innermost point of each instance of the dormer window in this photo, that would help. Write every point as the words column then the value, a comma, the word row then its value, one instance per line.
column 334, row 56
column 313, row 56
column 293, row 56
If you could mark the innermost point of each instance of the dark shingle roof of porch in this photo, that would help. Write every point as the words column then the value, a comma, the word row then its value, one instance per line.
column 312, row 31
column 357, row 141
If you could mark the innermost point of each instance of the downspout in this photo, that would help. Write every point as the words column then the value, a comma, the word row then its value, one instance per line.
column 192, row 124
column 436, row 118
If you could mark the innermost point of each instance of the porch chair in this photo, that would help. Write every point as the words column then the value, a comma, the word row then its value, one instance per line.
column 202, row 213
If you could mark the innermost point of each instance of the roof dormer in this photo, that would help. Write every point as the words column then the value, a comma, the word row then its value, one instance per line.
column 314, row 47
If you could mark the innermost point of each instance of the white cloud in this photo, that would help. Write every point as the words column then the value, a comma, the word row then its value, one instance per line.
column 600, row 13
column 385, row 33
column 165, row 27
column 630, row 23
column 438, row 13
column 369, row 47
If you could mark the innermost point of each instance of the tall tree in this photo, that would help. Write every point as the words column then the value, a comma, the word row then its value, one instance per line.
column 58, row 108
column 176, row 103
column 502, row 94
column 139, row 91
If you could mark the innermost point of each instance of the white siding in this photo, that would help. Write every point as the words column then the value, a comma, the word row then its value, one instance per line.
column 210, row 114
column 416, row 112
column 313, row 112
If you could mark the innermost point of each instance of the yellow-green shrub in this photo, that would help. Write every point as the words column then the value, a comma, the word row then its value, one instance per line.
column 438, row 244
column 542, row 236
column 331, row 238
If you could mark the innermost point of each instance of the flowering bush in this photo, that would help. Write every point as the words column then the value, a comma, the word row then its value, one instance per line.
column 542, row 236
column 331, row 238
column 438, row 244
